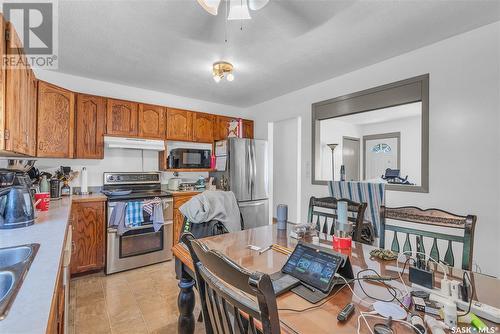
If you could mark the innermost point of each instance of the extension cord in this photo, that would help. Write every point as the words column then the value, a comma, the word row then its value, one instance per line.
column 481, row 310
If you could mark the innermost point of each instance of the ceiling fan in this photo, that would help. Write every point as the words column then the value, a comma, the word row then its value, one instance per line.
column 238, row 9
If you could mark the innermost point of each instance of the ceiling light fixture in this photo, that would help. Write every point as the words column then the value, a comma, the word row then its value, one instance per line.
column 238, row 9
column 222, row 69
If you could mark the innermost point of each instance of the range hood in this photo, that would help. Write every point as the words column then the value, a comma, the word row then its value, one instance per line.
column 134, row 143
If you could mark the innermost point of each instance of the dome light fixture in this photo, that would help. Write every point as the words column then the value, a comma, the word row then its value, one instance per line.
column 222, row 69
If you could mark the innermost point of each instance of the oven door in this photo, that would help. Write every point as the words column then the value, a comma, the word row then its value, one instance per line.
column 139, row 246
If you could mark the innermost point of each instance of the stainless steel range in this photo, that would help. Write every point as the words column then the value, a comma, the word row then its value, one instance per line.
column 138, row 246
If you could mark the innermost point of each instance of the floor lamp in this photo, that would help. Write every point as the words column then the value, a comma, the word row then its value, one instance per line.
column 332, row 147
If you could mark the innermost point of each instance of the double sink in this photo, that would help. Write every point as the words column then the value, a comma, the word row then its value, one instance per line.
column 14, row 265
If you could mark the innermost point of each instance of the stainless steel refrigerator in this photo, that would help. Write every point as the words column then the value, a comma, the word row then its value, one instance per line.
column 242, row 168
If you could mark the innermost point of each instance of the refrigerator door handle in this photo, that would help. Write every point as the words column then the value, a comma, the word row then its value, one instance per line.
column 248, row 169
column 250, row 204
column 254, row 166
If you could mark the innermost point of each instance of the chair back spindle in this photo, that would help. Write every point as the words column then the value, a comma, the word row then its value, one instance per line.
column 429, row 222
column 323, row 213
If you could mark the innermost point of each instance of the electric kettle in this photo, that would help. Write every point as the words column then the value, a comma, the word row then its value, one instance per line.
column 16, row 207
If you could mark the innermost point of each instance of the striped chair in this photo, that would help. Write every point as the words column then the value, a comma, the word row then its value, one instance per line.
column 426, row 223
column 323, row 213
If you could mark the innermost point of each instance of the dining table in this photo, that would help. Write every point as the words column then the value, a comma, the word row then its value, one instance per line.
column 297, row 315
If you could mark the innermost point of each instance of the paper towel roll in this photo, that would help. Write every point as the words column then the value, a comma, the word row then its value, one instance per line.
column 84, row 182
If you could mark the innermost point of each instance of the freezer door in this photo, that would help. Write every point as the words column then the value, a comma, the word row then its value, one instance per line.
column 259, row 171
column 239, row 168
column 255, row 213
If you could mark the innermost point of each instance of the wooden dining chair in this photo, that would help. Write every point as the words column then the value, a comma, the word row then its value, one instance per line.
column 424, row 220
column 323, row 213
column 233, row 299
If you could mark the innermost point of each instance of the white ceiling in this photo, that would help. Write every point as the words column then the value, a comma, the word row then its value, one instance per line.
column 170, row 45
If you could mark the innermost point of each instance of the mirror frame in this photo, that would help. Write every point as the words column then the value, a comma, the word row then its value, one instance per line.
column 415, row 89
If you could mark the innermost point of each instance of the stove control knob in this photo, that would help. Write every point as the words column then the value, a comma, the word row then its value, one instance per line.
column 118, row 178
column 111, row 178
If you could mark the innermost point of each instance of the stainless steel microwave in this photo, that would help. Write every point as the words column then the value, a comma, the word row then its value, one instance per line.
column 189, row 158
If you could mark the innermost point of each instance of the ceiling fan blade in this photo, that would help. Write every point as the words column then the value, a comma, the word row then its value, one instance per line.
column 211, row 6
column 257, row 4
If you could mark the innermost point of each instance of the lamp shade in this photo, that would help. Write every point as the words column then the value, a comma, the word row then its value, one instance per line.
column 257, row 4
column 210, row 6
column 238, row 10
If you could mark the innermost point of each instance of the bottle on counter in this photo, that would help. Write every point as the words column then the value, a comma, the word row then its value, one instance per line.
column 44, row 184
column 66, row 189
column 342, row 173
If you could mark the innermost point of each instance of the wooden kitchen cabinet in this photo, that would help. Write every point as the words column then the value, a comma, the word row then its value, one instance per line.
column 179, row 124
column 56, row 121
column 203, row 127
column 90, row 126
column 88, row 222
column 247, row 129
column 152, row 121
column 122, row 118
column 55, row 323
column 179, row 199
column 222, row 127
column 18, row 89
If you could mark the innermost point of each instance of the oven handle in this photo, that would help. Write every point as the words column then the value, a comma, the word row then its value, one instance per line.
column 115, row 230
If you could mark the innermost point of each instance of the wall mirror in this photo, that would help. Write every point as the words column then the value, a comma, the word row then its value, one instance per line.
column 376, row 135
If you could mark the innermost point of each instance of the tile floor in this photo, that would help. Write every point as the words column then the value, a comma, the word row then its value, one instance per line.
column 142, row 300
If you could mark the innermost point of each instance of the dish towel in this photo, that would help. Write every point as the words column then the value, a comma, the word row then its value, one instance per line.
column 117, row 218
column 157, row 216
column 134, row 216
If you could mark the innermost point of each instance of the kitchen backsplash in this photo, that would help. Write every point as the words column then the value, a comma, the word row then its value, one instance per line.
column 115, row 160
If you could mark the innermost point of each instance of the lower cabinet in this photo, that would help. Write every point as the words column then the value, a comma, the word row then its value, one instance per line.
column 88, row 248
column 55, row 324
column 178, row 216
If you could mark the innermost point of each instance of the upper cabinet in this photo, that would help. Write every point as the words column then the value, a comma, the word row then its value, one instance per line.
column 90, row 126
column 221, row 127
column 152, row 121
column 203, row 127
column 179, row 125
column 56, row 120
column 247, row 129
column 18, row 97
column 122, row 118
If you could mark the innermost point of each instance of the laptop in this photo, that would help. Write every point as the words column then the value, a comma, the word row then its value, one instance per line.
column 310, row 272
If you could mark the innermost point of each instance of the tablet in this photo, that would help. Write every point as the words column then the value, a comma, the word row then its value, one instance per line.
column 314, row 266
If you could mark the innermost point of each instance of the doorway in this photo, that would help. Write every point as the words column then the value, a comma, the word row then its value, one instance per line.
column 351, row 158
column 381, row 151
column 285, row 157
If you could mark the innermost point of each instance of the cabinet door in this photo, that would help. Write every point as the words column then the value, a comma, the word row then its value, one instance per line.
column 178, row 216
column 203, row 127
column 32, row 113
column 152, row 121
column 56, row 121
column 222, row 127
column 121, row 118
column 247, row 129
column 88, row 237
column 90, row 126
column 3, row 45
column 179, row 124
column 17, row 111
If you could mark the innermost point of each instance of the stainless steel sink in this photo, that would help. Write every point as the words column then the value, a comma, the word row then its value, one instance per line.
column 6, row 283
column 14, row 255
column 14, row 264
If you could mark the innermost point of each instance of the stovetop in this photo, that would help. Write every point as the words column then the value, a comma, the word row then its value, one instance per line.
column 139, row 194
column 142, row 185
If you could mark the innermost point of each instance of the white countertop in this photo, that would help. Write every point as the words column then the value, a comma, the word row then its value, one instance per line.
column 30, row 311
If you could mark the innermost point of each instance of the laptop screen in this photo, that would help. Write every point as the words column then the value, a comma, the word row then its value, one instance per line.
column 312, row 266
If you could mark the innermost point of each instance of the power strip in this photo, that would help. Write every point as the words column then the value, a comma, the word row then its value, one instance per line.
column 481, row 310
